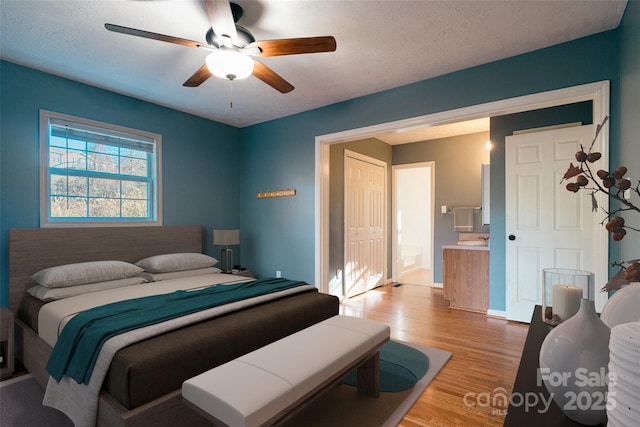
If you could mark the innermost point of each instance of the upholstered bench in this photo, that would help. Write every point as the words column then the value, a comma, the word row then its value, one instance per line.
column 263, row 386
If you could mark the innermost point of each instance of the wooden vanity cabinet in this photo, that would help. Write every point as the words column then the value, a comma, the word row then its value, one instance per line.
column 466, row 279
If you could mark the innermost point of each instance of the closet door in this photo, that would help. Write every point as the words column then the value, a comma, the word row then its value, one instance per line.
column 365, row 246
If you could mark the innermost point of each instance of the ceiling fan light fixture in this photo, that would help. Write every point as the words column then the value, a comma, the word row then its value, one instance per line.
column 229, row 64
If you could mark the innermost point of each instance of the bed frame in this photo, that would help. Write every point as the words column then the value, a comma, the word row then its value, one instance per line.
column 36, row 248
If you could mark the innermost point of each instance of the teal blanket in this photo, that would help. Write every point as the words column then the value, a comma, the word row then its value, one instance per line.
column 81, row 340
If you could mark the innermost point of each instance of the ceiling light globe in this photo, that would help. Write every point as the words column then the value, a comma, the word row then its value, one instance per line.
column 229, row 64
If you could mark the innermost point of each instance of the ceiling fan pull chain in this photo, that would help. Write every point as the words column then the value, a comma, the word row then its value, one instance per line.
column 230, row 93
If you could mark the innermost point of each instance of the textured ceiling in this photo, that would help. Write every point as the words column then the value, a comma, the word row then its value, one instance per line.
column 381, row 45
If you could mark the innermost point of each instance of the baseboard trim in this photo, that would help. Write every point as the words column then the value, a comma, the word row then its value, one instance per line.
column 437, row 285
column 497, row 313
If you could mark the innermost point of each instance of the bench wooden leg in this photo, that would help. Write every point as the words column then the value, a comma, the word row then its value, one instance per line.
column 369, row 376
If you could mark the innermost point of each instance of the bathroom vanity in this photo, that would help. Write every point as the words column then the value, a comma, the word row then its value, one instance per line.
column 466, row 274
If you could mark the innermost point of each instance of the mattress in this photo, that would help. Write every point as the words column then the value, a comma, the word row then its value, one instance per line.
column 152, row 368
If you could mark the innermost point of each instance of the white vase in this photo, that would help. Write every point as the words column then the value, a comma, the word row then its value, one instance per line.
column 574, row 360
column 623, row 306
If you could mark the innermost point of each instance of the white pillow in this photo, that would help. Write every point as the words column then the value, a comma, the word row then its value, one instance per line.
column 85, row 272
column 52, row 294
column 176, row 262
column 156, row 277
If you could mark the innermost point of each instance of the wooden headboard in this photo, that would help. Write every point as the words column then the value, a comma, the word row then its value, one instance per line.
column 32, row 249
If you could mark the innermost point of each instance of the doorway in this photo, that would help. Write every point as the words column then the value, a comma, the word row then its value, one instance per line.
column 412, row 232
column 597, row 92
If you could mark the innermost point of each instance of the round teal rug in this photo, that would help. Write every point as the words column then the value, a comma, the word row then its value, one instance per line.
column 401, row 366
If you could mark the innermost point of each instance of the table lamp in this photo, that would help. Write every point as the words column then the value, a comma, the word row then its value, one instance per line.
column 226, row 238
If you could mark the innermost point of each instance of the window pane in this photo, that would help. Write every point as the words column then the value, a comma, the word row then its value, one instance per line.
column 134, row 190
column 68, row 207
column 76, row 160
column 55, row 141
column 78, row 186
column 134, row 208
column 67, row 158
column 105, row 208
column 62, row 185
column 135, row 167
column 58, row 185
column 109, row 188
column 100, row 162
column 57, row 157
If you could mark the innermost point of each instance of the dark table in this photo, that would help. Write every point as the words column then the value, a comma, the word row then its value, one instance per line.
column 527, row 388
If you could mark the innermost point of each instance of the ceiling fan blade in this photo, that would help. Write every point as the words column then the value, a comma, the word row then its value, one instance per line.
column 271, row 78
column 150, row 35
column 198, row 77
column 295, row 46
column 221, row 18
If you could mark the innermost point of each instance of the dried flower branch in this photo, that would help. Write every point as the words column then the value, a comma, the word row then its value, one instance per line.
column 617, row 187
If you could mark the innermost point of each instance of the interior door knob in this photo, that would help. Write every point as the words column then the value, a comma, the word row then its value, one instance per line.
column 512, row 237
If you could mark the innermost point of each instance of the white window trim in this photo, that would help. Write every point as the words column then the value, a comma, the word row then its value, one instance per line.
column 44, row 169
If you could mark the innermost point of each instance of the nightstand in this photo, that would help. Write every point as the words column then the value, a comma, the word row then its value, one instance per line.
column 245, row 273
column 6, row 342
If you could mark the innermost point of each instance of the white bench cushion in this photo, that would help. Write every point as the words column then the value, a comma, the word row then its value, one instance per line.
column 249, row 395
column 253, row 388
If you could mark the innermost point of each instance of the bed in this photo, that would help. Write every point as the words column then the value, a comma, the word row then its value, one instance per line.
column 142, row 385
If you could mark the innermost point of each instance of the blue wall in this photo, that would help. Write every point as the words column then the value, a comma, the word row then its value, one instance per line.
column 280, row 153
column 201, row 158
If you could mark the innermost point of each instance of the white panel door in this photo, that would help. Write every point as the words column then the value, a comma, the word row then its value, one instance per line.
column 355, row 264
column 546, row 225
column 375, row 190
column 365, row 244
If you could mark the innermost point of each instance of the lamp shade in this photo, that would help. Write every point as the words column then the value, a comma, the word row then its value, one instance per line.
column 226, row 237
column 229, row 64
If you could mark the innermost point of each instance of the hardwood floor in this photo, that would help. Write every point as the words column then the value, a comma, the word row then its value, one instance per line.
column 486, row 353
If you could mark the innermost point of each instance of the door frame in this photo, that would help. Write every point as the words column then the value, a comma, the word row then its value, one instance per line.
column 598, row 92
column 394, row 213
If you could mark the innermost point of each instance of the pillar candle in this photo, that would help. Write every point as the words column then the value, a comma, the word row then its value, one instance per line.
column 566, row 301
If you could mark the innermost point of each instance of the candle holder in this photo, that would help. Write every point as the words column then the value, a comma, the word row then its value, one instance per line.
column 562, row 291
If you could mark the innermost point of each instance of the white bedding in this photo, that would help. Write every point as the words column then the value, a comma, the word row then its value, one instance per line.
column 54, row 316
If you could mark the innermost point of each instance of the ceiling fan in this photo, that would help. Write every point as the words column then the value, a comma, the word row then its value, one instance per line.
column 232, row 47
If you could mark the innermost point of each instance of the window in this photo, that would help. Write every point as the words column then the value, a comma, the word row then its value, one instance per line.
column 94, row 173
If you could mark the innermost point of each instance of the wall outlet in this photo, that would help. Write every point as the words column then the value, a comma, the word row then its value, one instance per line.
column 278, row 273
